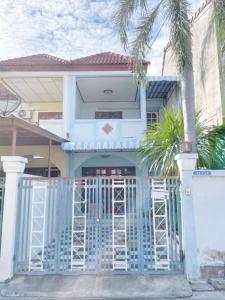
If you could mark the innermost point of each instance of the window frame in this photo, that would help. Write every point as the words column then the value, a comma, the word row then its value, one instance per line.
column 116, row 115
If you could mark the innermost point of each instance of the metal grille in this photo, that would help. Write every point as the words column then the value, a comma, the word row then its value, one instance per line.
column 2, row 193
column 98, row 224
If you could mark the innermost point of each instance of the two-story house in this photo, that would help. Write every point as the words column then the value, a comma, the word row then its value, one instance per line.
column 93, row 106
column 83, row 121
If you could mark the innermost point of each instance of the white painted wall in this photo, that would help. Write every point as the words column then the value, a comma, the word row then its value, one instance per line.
column 130, row 110
column 154, row 105
column 174, row 100
column 209, row 210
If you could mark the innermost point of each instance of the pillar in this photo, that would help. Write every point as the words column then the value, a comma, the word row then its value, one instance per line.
column 69, row 98
column 186, row 164
column 13, row 167
column 143, row 105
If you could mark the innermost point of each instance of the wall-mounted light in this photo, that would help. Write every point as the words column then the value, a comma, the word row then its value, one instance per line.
column 108, row 91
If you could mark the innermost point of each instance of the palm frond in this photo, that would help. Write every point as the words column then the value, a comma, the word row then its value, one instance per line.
column 220, row 10
column 123, row 15
column 143, row 40
column 180, row 33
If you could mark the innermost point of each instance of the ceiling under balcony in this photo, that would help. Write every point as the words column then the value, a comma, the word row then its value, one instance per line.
column 108, row 89
column 36, row 89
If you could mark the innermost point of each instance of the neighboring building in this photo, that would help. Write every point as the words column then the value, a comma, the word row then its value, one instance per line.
column 93, row 103
column 208, row 63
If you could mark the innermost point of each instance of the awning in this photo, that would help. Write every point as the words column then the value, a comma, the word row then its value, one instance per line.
column 27, row 134
column 17, row 132
column 160, row 88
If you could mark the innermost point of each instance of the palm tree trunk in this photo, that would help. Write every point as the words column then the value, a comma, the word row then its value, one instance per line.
column 188, row 105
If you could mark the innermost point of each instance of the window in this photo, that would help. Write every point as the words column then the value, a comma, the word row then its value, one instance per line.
column 47, row 115
column 152, row 117
column 55, row 172
column 108, row 115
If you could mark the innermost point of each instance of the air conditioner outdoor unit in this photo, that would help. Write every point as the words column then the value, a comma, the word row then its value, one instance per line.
column 25, row 114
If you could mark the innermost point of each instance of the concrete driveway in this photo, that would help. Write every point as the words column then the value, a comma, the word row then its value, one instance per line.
column 106, row 288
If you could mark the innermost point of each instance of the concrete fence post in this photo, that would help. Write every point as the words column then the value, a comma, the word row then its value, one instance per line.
column 13, row 167
column 186, row 164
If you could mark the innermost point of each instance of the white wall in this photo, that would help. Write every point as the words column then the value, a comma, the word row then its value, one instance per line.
column 174, row 100
column 130, row 110
column 154, row 105
column 209, row 208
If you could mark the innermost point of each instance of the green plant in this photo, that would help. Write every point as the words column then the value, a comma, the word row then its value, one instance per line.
column 162, row 143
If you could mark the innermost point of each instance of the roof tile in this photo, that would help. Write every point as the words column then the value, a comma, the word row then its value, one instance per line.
column 106, row 61
column 37, row 59
column 104, row 58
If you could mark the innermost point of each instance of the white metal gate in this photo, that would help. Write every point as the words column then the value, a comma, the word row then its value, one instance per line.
column 98, row 224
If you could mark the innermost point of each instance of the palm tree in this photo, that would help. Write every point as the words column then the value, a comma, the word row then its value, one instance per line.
column 161, row 144
column 152, row 15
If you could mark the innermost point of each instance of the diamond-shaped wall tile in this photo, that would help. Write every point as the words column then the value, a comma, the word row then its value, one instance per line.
column 107, row 128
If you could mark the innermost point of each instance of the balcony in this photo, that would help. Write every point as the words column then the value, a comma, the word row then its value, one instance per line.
column 106, row 134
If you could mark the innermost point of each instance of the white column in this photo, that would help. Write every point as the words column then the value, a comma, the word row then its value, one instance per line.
column 186, row 164
column 143, row 105
column 69, row 98
column 13, row 167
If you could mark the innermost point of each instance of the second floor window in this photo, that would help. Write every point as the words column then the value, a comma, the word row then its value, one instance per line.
column 152, row 118
column 49, row 115
column 108, row 115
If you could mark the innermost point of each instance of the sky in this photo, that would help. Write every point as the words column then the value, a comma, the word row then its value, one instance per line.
column 67, row 29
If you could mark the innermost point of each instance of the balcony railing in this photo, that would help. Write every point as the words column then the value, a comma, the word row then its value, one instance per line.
column 92, row 134
column 107, row 130
column 54, row 126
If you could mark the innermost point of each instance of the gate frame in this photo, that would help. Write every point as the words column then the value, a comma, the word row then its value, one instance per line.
column 150, row 178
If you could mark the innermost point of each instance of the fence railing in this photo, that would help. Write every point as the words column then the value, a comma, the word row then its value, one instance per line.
column 98, row 224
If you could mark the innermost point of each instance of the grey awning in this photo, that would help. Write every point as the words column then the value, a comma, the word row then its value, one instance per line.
column 159, row 88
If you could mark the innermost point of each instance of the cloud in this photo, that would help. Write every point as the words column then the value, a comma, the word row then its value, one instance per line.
column 68, row 29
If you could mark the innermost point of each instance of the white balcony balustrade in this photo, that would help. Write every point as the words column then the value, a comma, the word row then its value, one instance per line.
column 54, row 126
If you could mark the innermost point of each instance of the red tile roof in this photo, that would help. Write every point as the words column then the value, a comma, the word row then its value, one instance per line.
column 37, row 59
column 104, row 58
column 106, row 61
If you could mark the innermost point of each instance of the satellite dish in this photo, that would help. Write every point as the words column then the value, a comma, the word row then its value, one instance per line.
column 9, row 101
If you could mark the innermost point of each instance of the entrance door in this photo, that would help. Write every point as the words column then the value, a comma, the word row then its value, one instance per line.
column 99, row 227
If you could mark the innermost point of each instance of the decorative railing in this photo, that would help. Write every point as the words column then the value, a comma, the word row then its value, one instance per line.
column 98, row 224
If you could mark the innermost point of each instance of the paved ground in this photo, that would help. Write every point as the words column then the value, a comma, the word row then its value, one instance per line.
column 106, row 288
column 196, row 296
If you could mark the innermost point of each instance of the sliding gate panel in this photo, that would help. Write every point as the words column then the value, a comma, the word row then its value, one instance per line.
column 98, row 225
